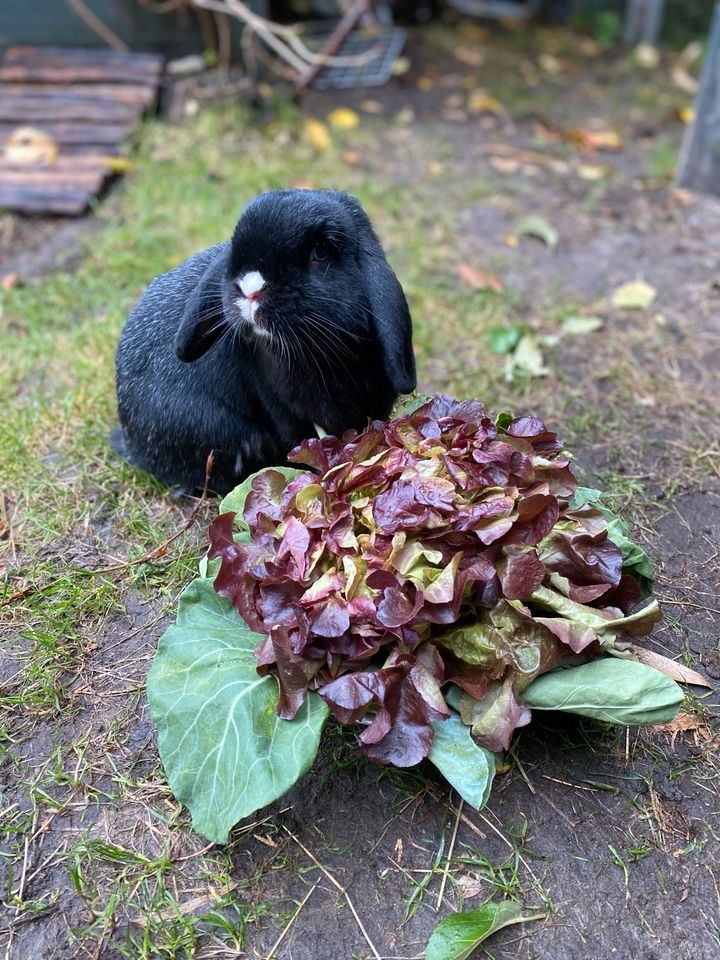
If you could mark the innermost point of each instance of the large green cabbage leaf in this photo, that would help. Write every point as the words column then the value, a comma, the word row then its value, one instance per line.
column 225, row 751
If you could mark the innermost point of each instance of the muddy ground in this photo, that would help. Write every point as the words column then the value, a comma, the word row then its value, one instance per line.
column 613, row 836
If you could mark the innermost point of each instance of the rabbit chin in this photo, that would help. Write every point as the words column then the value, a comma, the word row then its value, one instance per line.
column 249, row 323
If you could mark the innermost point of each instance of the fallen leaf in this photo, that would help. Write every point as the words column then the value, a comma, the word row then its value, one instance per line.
column 425, row 83
column 676, row 671
column 480, row 279
column 401, row 66
column 372, row 106
column 470, row 56
column 592, row 171
column 343, row 118
column 470, row 887
column 684, row 80
column 527, row 357
column 8, row 281
column 118, row 164
column 683, row 721
column 455, row 116
column 303, row 185
column 405, row 116
column 682, row 196
column 480, row 102
column 435, row 168
column 578, row 324
column 588, row 139
column 550, row 64
column 317, row 134
column 504, row 165
column 686, row 115
column 503, row 340
column 510, row 240
column 351, row 157
column 534, row 226
column 647, row 56
column 28, row 145
column 680, row 75
column 635, row 295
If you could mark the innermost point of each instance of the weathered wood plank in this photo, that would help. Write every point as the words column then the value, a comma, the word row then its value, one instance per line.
column 27, row 73
column 87, row 179
column 88, row 101
column 33, row 108
column 699, row 163
column 43, row 200
column 87, row 161
column 75, row 133
column 117, row 92
column 149, row 64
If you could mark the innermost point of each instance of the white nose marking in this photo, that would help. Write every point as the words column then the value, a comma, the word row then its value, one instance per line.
column 251, row 284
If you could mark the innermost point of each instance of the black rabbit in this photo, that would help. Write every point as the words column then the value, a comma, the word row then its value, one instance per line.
column 297, row 321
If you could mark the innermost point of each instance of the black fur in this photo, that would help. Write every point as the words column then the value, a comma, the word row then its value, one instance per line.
column 194, row 376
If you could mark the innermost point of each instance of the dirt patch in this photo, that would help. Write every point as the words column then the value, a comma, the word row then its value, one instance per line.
column 34, row 246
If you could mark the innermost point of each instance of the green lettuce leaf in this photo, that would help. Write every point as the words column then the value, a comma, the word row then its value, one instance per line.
column 617, row 691
column 457, row 936
column 234, row 502
column 466, row 766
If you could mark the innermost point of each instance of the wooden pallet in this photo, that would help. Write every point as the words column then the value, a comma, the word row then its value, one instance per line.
column 88, row 102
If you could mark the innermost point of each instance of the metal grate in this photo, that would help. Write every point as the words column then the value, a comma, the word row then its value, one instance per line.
column 382, row 44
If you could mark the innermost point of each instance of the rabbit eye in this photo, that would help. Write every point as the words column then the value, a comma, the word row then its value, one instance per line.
column 321, row 252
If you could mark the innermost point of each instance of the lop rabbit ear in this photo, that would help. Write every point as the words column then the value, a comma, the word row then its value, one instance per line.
column 391, row 319
column 203, row 320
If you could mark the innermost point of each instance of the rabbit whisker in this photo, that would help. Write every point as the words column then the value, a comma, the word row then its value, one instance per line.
column 330, row 348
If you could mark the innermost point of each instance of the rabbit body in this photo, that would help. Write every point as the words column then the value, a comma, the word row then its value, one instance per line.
column 298, row 320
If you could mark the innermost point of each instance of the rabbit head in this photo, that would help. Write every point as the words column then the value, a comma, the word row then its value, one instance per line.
column 306, row 281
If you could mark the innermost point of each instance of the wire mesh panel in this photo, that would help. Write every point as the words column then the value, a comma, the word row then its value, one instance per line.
column 373, row 51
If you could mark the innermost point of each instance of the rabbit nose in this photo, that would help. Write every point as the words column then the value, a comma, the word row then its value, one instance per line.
column 251, row 285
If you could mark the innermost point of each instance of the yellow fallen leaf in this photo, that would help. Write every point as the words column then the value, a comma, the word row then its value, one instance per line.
column 28, row 145
column 343, row 118
column 405, row 116
column 425, row 83
column 435, row 168
column 511, row 240
column 351, row 157
column 635, row 295
column 480, row 102
column 686, row 114
column 592, row 171
column 118, row 164
column 401, row 66
column 317, row 134
column 372, row 106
